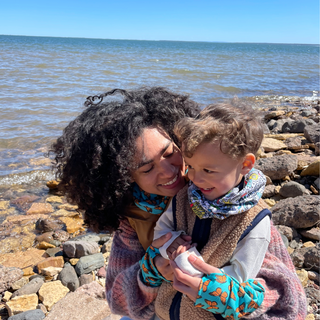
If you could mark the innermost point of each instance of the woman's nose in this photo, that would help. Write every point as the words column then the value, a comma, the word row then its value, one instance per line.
column 167, row 168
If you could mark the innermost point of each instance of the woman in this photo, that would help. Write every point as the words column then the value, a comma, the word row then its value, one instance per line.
column 100, row 155
column 120, row 163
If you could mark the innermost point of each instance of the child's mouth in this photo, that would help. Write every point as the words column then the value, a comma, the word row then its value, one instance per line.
column 206, row 190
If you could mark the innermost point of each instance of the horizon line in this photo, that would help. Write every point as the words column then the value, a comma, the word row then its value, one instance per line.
column 203, row 41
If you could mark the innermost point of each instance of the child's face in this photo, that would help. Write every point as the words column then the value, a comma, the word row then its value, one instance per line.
column 214, row 172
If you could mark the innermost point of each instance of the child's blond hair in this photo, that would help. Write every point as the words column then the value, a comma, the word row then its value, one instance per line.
column 237, row 127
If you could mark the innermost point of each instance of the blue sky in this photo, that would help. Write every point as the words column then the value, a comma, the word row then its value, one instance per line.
column 275, row 21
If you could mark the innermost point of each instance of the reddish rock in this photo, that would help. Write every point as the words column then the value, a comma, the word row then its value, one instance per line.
column 24, row 201
column 8, row 276
column 38, row 208
column 76, row 305
column 102, row 272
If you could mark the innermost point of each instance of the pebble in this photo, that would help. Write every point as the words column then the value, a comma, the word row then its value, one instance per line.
column 8, row 276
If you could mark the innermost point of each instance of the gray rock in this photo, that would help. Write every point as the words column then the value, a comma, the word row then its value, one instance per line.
column 55, row 243
column 104, row 238
column 293, row 189
column 297, row 126
column 277, row 167
column 290, row 233
column 88, row 238
column 308, row 113
column 87, row 264
column 285, row 240
column 312, row 295
column 299, row 212
column 313, row 234
column 78, row 249
column 68, row 277
column 29, row 315
column 54, row 252
column 35, row 276
column 295, row 244
column 311, row 257
column 85, row 279
column 276, row 125
column 46, row 225
column 269, row 191
column 297, row 259
column 107, row 246
column 317, row 183
column 8, row 276
column 312, row 133
column 294, row 143
column 32, row 287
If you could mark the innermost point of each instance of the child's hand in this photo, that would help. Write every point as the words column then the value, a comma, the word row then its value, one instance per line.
column 181, row 249
column 184, row 241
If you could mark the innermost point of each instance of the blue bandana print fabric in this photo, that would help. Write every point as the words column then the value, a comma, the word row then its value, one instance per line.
column 234, row 202
column 149, row 202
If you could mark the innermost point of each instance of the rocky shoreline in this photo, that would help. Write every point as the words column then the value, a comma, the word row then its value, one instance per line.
column 51, row 267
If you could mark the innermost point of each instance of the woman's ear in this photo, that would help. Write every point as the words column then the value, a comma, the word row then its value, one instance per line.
column 248, row 163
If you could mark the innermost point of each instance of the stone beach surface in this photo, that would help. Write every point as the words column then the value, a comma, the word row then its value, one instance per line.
column 52, row 267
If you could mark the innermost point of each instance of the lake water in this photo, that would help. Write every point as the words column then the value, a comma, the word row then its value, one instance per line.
column 44, row 81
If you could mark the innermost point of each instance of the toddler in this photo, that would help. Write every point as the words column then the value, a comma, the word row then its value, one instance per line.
column 228, row 219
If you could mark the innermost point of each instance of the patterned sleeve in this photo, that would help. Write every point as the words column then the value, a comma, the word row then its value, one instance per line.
column 285, row 297
column 222, row 294
column 125, row 292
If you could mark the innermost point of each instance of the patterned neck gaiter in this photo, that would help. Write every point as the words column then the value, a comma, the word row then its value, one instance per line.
column 234, row 202
column 148, row 202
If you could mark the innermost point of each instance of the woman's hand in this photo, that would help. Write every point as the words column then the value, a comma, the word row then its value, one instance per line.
column 187, row 284
column 162, row 264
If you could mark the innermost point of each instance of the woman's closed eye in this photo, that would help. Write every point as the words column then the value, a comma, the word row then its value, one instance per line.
column 148, row 170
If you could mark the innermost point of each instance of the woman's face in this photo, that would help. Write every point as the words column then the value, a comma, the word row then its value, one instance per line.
column 160, row 164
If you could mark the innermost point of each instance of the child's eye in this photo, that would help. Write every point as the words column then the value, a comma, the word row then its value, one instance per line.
column 208, row 171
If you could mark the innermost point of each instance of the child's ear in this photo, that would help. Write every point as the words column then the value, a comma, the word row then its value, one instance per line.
column 248, row 163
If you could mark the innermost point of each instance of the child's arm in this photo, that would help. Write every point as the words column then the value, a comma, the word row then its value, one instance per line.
column 248, row 256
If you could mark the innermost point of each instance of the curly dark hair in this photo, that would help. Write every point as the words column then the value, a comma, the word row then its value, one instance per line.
column 237, row 126
column 94, row 155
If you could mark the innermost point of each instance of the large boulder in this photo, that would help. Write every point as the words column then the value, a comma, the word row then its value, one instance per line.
column 300, row 212
column 277, row 167
column 297, row 126
column 76, row 306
